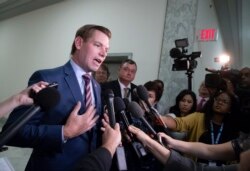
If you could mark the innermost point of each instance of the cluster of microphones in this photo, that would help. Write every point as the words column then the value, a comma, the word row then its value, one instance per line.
column 48, row 97
column 122, row 110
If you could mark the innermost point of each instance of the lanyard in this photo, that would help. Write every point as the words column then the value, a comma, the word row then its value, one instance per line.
column 212, row 133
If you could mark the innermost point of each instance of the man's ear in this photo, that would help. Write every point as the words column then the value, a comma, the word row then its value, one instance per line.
column 78, row 42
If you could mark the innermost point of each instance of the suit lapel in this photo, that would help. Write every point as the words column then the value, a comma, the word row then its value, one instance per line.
column 72, row 82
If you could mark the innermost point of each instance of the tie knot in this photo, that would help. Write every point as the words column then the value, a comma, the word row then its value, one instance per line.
column 126, row 92
column 86, row 77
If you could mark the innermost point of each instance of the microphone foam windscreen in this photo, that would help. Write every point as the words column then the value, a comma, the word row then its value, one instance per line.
column 47, row 98
column 135, row 109
column 119, row 104
column 142, row 92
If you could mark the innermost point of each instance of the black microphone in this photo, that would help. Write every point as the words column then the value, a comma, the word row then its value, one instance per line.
column 109, row 100
column 120, row 108
column 137, row 112
column 44, row 100
column 120, row 152
column 143, row 95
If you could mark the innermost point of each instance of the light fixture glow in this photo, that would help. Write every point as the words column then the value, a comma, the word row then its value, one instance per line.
column 224, row 59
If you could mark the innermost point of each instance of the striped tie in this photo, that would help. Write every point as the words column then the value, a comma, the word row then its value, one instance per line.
column 126, row 93
column 87, row 89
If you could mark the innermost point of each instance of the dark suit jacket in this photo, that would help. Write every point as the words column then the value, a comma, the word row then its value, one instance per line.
column 99, row 160
column 115, row 86
column 43, row 132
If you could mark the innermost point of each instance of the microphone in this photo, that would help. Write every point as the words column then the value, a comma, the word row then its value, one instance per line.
column 44, row 100
column 142, row 103
column 120, row 152
column 120, row 108
column 143, row 95
column 109, row 99
column 137, row 112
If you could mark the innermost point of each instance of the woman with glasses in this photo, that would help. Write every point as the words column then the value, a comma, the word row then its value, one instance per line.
column 217, row 124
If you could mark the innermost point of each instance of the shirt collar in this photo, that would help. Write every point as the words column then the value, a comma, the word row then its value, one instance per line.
column 123, row 86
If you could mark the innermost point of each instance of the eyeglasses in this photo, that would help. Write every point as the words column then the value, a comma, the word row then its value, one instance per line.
column 224, row 101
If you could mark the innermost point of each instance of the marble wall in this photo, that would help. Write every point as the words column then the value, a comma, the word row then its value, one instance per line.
column 179, row 23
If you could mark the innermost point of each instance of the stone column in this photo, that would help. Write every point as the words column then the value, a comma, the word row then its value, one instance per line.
column 179, row 23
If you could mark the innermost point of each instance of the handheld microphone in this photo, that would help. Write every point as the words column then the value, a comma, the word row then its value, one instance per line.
column 126, row 102
column 143, row 95
column 120, row 153
column 141, row 102
column 137, row 112
column 109, row 99
column 120, row 108
column 44, row 100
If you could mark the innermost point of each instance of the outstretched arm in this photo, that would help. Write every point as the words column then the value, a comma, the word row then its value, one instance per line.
column 160, row 152
column 169, row 121
column 21, row 98
column 206, row 151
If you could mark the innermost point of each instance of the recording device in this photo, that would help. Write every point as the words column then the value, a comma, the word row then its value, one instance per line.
column 182, row 60
column 120, row 153
column 137, row 112
column 44, row 100
column 109, row 100
column 120, row 108
column 32, row 93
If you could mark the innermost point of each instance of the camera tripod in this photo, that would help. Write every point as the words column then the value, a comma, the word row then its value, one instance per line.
column 189, row 75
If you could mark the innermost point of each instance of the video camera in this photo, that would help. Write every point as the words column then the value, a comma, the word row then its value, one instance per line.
column 182, row 60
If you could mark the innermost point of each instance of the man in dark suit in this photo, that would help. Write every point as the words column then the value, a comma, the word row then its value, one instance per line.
column 123, row 86
column 101, row 158
column 61, row 136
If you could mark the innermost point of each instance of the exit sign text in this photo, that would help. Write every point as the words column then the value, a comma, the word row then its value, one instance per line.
column 209, row 34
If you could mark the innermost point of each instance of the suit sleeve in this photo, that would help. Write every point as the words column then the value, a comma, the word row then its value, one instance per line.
column 34, row 133
column 99, row 160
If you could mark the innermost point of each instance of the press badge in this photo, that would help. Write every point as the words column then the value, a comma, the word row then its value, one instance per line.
column 212, row 163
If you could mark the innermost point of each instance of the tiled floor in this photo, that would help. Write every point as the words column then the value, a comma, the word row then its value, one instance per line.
column 18, row 157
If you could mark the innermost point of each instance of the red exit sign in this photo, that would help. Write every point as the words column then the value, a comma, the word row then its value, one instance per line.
column 209, row 34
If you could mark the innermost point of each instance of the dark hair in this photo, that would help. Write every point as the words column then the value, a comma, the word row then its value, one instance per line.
column 154, row 86
column 86, row 31
column 176, row 110
column 230, row 120
column 129, row 61
column 161, row 84
column 105, row 68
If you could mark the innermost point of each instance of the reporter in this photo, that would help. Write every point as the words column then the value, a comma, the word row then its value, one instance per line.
column 174, row 161
column 101, row 158
column 21, row 98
